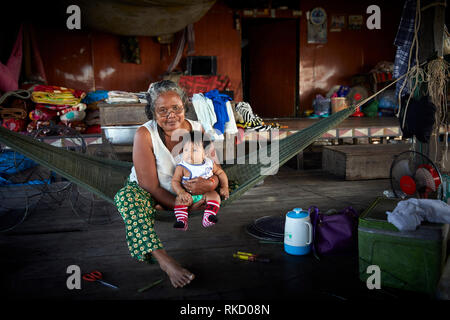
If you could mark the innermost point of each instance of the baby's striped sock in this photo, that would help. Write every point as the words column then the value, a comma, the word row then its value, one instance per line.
column 209, row 216
column 181, row 214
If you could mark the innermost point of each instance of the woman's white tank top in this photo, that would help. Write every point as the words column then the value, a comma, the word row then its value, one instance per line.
column 165, row 162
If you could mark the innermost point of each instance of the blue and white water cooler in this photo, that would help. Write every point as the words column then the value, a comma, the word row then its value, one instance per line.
column 297, row 232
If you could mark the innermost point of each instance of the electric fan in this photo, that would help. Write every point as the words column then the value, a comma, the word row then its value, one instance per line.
column 414, row 175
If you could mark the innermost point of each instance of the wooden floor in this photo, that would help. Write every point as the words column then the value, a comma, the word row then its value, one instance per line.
column 36, row 254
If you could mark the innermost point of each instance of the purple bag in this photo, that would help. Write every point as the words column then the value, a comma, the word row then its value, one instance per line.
column 334, row 233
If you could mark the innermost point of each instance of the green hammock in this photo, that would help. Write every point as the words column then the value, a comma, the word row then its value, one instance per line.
column 104, row 177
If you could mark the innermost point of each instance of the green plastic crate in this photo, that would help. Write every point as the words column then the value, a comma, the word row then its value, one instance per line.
column 409, row 260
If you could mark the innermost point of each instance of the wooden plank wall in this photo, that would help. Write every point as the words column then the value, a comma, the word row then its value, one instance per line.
column 91, row 60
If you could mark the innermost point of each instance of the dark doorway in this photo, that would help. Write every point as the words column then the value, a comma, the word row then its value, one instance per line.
column 270, row 66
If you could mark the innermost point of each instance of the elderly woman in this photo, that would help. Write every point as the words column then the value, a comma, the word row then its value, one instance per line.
column 149, row 185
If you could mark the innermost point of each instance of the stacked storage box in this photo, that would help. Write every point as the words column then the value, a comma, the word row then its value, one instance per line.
column 410, row 260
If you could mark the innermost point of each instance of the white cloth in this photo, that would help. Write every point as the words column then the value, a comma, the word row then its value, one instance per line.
column 121, row 97
column 230, row 126
column 165, row 162
column 204, row 170
column 408, row 214
column 204, row 108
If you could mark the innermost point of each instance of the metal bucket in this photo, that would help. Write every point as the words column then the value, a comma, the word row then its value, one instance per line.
column 123, row 135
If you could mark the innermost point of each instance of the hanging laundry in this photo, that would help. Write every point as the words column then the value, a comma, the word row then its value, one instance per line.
column 204, row 108
column 219, row 100
column 403, row 41
column 230, row 126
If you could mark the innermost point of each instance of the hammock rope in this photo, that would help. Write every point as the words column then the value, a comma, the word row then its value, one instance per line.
column 104, row 177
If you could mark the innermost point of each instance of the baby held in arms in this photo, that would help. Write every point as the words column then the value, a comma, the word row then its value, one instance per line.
column 195, row 164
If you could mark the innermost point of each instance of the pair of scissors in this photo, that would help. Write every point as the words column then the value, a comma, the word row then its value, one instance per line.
column 97, row 276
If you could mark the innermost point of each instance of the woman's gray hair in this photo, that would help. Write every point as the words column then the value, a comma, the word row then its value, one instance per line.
column 158, row 88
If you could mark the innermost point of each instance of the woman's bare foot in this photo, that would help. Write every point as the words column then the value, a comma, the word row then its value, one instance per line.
column 178, row 275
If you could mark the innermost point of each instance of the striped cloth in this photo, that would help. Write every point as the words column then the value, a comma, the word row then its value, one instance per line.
column 403, row 41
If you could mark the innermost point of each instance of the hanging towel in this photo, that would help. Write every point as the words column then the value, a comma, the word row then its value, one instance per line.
column 204, row 108
column 220, row 108
column 230, row 126
column 403, row 41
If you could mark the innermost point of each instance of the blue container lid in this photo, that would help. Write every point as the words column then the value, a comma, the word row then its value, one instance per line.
column 297, row 213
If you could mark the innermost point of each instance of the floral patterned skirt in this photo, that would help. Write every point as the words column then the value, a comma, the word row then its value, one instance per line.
column 136, row 207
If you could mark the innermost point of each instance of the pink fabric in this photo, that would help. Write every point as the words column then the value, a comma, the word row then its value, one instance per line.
column 9, row 73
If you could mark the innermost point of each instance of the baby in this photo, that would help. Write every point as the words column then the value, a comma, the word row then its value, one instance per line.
column 195, row 164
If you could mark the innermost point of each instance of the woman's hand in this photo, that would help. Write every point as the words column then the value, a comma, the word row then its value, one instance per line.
column 200, row 185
